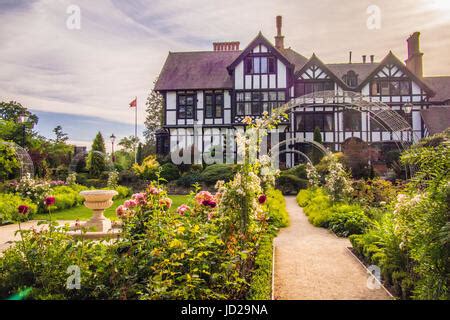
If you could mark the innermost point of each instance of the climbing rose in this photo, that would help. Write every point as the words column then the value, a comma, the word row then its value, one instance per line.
column 247, row 120
column 165, row 202
column 140, row 198
column 203, row 196
column 154, row 190
column 49, row 201
column 262, row 199
column 23, row 209
column 182, row 209
column 121, row 211
column 209, row 203
column 130, row 204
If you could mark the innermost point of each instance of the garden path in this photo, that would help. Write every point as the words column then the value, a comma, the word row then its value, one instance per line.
column 313, row 264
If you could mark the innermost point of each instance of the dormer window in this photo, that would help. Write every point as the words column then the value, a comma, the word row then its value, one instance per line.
column 260, row 65
column 351, row 79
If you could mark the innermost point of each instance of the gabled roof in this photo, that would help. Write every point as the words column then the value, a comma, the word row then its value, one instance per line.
column 260, row 39
column 363, row 70
column 196, row 70
column 314, row 60
column 391, row 58
column 295, row 58
column 436, row 119
column 441, row 86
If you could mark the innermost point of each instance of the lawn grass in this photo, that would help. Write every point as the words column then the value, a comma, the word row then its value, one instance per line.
column 82, row 213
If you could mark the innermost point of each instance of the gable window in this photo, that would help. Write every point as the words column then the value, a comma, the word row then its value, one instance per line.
column 308, row 121
column 352, row 120
column 186, row 105
column 254, row 103
column 259, row 65
column 351, row 79
column 213, row 104
column 308, row 87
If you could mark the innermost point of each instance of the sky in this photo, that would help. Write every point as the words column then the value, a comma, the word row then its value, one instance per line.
column 84, row 79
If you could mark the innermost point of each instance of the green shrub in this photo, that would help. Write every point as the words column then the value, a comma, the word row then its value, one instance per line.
column 123, row 192
column 290, row 184
column 169, row 172
column 216, row 172
column 316, row 205
column 347, row 219
column 9, row 204
column 261, row 281
column 276, row 206
column 189, row 178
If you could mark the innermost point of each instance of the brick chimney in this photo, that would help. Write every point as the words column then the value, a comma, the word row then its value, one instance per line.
column 226, row 46
column 279, row 39
column 415, row 62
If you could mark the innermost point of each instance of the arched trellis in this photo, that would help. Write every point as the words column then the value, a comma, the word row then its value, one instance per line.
column 379, row 111
column 275, row 150
column 26, row 164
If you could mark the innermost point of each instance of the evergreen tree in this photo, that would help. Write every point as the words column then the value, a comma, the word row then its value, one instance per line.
column 60, row 135
column 96, row 159
column 139, row 154
column 154, row 118
column 316, row 153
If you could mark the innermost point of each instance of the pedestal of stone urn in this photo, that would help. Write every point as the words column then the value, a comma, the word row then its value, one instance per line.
column 98, row 201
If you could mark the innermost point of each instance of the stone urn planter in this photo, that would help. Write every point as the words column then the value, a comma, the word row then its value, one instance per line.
column 98, row 201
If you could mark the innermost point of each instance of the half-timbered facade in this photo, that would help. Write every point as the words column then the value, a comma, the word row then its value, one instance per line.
column 207, row 94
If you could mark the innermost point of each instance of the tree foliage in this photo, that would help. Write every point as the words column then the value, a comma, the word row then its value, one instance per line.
column 154, row 118
column 97, row 156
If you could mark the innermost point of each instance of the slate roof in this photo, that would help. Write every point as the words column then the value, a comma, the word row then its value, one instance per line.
column 441, row 86
column 294, row 57
column 196, row 70
column 363, row 70
column 437, row 119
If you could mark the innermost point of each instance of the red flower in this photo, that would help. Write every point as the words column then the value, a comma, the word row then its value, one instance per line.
column 49, row 201
column 209, row 203
column 23, row 209
column 262, row 199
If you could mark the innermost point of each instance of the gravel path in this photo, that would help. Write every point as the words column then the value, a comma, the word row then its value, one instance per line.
column 313, row 264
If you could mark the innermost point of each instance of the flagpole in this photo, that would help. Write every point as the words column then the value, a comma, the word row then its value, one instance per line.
column 135, row 132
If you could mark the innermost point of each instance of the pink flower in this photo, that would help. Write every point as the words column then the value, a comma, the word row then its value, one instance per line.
column 121, row 211
column 203, row 196
column 262, row 199
column 165, row 202
column 154, row 190
column 49, row 201
column 183, row 209
column 140, row 198
column 23, row 209
column 130, row 204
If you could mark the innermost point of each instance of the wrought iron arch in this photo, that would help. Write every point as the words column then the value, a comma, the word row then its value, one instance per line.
column 26, row 163
column 379, row 111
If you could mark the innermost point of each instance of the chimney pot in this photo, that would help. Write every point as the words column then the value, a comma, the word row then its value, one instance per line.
column 372, row 58
column 279, row 39
column 226, row 46
column 350, row 57
column 415, row 58
column 364, row 57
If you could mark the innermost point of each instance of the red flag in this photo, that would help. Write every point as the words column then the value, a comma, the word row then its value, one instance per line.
column 133, row 104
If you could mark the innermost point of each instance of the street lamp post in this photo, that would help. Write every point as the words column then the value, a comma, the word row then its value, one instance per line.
column 113, row 139
column 23, row 119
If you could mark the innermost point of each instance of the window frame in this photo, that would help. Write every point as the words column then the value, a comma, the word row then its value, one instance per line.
column 376, row 87
column 249, row 64
column 214, row 104
column 314, row 116
column 313, row 84
column 249, row 101
column 345, row 119
column 187, row 94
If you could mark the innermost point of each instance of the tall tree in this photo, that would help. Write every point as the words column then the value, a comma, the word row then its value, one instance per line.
column 61, row 137
column 97, row 156
column 154, row 118
column 139, row 154
column 316, row 153
column 129, row 144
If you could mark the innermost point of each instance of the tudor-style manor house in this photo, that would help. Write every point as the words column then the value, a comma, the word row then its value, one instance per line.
column 217, row 89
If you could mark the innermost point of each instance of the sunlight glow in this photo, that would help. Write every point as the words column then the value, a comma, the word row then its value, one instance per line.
column 439, row 5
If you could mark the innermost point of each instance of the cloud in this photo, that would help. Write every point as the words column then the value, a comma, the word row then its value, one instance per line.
column 122, row 45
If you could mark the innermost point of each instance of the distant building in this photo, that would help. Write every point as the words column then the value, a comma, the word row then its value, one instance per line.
column 217, row 89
